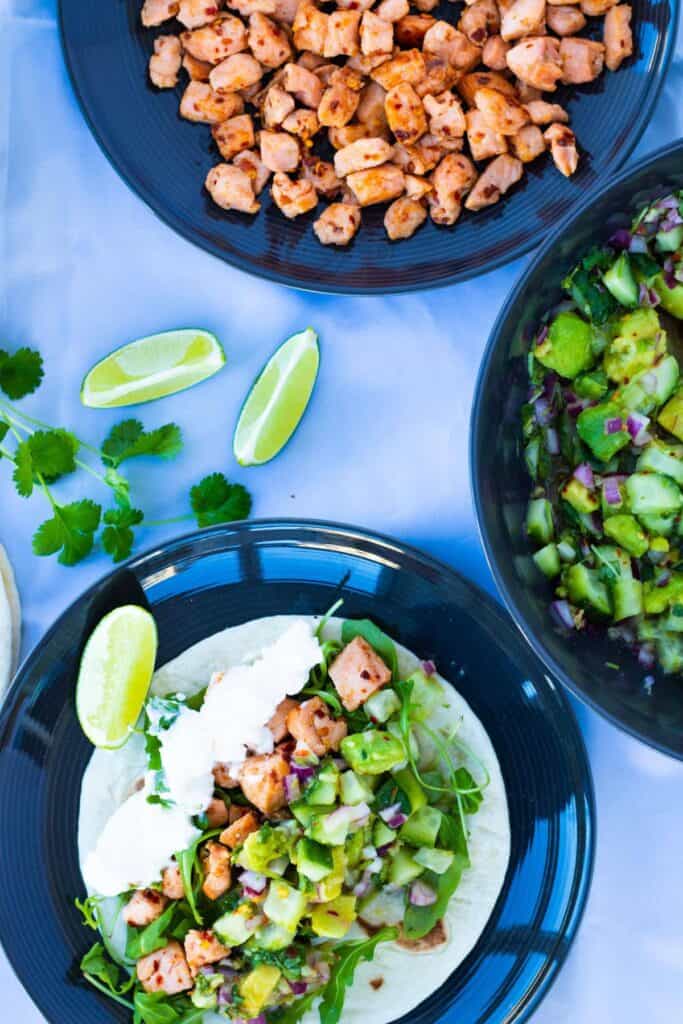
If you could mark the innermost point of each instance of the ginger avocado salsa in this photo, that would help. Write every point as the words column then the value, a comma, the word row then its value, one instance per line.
column 603, row 433
column 304, row 808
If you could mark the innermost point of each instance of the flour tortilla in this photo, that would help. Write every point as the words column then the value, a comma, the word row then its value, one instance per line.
column 408, row 978
column 10, row 621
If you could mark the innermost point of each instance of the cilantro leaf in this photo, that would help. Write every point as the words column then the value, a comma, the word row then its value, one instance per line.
column 117, row 536
column 20, row 373
column 70, row 531
column 23, row 471
column 129, row 439
column 215, row 500
column 4, row 428
column 48, row 453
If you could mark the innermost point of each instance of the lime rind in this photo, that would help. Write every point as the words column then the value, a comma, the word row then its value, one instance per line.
column 152, row 367
column 278, row 399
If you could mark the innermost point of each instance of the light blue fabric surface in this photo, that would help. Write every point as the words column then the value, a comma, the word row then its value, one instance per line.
column 84, row 266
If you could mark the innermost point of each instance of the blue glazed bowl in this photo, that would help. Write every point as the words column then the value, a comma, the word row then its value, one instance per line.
column 205, row 582
column 501, row 484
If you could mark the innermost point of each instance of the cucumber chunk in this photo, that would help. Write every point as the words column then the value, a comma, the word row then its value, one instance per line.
column 627, row 596
column 548, row 561
column 652, row 493
column 586, row 589
column 619, row 280
column 422, row 827
column 671, row 416
column 539, row 520
column 626, row 531
column 437, row 861
column 656, row 457
column 591, row 425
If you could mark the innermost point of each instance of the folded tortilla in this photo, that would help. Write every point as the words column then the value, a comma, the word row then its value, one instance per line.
column 397, row 980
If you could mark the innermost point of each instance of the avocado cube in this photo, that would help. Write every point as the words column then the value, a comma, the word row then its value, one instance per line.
column 331, row 886
column 313, row 860
column 619, row 280
column 638, row 345
column 650, row 388
column 662, row 526
column 670, row 652
column 406, row 781
column 233, row 928
column 332, row 920
column 273, row 937
column 586, row 589
column 671, row 298
column 567, row 348
column 422, row 827
column 284, row 905
column 579, row 497
column 373, row 752
column 261, row 848
column 539, row 520
column 591, row 426
column 626, row 531
column 591, row 385
column 257, row 988
column 658, row 599
column 671, row 416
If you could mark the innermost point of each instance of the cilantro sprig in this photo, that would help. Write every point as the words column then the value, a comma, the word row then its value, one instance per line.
column 41, row 455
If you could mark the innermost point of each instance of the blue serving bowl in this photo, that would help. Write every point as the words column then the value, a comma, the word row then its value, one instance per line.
column 502, row 486
column 202, row 583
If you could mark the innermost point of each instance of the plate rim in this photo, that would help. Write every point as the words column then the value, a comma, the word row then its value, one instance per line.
column 477, row 416
column 584, row 864
column 656, row 75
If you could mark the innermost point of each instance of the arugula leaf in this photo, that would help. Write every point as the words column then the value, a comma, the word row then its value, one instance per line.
column 88, row 910
column 155, row 1008
column 118, row 536
column 215, row 500
column 129, row 439
column 419, row 921
column 350, row 954
column 378, row 640
column 70, row 531
column 293, row 1013
column 188, row 865
column 590, row 295
column 154, row 936
column 20, row 373
column 104, row 974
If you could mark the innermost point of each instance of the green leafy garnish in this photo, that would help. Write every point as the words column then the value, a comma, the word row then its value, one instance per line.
column 155, row 936
column 129, row 440
column 118, row 536
column 20, row 373
column 419, row 921
column 70, row 531
column 191, row 872
column 103, row 974
column 349, row 955
column 290, row 961
column 49, row 454
column 378, row 640
column 88, row 910
column 215, row 500
column 293, row 1014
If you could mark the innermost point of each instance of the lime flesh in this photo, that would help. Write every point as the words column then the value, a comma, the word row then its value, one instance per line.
column 277, row 400
column 152, row 367
column 115, row 674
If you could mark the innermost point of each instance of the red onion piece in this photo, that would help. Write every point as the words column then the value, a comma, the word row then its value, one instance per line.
column 563, row 613
column 254, row 882
column 610, row 488
column 552, row 441
column 361, row 888
column 422, row 895
column 304, row 772
column 429, row 668
column 584, row 474
column 292, row 786
column 621, row 239
column 646, row 657
column 613, row 425
column 636, row 424
column 299, row 988
column 543, row 412
column 669, row 276
column 542, row 334
column 638, row 244
column 393, row 816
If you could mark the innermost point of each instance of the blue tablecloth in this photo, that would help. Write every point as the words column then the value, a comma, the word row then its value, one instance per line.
column 84, row 267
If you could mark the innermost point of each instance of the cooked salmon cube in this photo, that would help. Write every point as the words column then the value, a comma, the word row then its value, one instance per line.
column 528, row 143
column 198, row 70
column 337, row 224
column 469, row 85
column 304, row 85
column 223, row 777
column 360, row 155
column 446, row 117
column 293, row 198
column 156, row 12
column 164, row 64
column 541, row 112
column 203, row 948
column 451, row 181
column 342, row 35
column 201, row 104
column 316, row 732
column 338, row 105
column 235, row 834
column 411, row 30
column 376, row 35
column 405, row 113
column 617, row 36
column 537, row 62
column 172, row 883
column 217, row 875
column 392, row 10
column 494, row 182
column 213, row 43
column 566, row 20
column 262, row 781
column 165, row 971
column 234, row 73
column 234, row 135
column 322, row 175
column 279, row 151
column 216, row 813
column 582, row 60
column 358, row 671
column 277, row 105
column 407, row 66
column 522, row 18
column 310, row 27
column 231, row 189
column 195, row 13
column 563, row 149
column 277, row 723
column 501, row 113
column 267, row 41
column 453, row 46
column 403, row 218
column 145, row 906
column 484, row 141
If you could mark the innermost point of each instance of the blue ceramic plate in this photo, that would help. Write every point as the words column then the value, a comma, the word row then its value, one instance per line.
column 502, row 486
column 165, row 160
column 205, row 582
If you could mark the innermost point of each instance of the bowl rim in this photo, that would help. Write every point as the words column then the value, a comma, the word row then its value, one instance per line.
column 201, row 240
column 584, row 866
column 478, row 412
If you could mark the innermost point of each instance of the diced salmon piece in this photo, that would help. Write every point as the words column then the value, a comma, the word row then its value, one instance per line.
column 302, row 123
column 165, row 971
column 216, row 813
column 231, row 189
column 494, row 53
column 392, row 10
column 566, row 20
column 144, row 906
column 541, row 112
column 279, row 151
column 424, row 6
column 403, row 218
column 358, row 671
column 304, row 85
column 502, row 113
column 407, row 66
column 537, row 62
column 293, row 198
column 376, row 185
column 338, row 224
column 412, row 29
column 195, row 13
column 480, row 20
column 417, row 187
column 494, row 182
column 223, row 778
column 596, row 8
column 235, row 834
column 268, row 42
column 322, row 175
column 277, row 105
column 370, row 110
column 285, row 10
column 360, row 155
column 562, row 142
column 582, row 60
column 217, row 875
column 439, row 76
column 200, row 103
column 248, row 7
column 342, row 35
column 405, row 113
column 484, row 141
column 234, row 135
column 234, row 73
column 310, row 27
column 277, row 723
column 338, row 105
column 203, row 948
column 316, row 732
column 345, row 134
column 617, row 36
column 528, row 143
column 213, row 43
column 198, row 70
column 469, row 85
column 156, row 12
column 451, row 181
column 376, row 35
column 262, row 780
column 172, row 883
column 165, row 62
column 418, row 159
column 522, row 18
column 446, row 117
column 453, row 46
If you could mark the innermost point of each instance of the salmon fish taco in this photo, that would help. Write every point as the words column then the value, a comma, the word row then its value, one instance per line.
column 305, row 811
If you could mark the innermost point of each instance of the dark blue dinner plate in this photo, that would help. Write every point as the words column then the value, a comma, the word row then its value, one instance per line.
column 207, row 581
column 165, row 160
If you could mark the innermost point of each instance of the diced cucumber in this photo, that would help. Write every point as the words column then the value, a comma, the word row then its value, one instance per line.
column 652, row 494
column 437, row 861
column 313, row 860
column 547, row 559
column 671, row 416
column 567, row 551
column 233, row 928
column 256, row 989
column 332, row 920
column 591, row 425
column 579, row 497
column 659, row 599
column 671, row 298
column 353, row 848
column 329, row 829
column 627, row 533
column 383, row 907
column 660, row 525
column 422, row 827
column 404, row 868
column 673, row 622
column 586, row 589
column 373, row 752
column 427, row 694
column 284, row 905
column 627, row 597
column 670, row 241
column 567, row 347
column 272, row 937
column 405, row 779
column 619, row 280
column 591, row 385
column 670, row 652
column 656, row 457
column 539, row 520
column 618, row 561
column 353, row 789
column 652, row 387
column 382, row 835
column 324, row 788
column 305, row 813
column 382, row 705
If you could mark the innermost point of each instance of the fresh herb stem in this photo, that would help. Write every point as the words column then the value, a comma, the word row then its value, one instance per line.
column 108, row 992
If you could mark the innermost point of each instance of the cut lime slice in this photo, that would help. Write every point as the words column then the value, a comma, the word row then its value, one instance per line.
column 115, row 674
column 152, row 367
column 277, row 400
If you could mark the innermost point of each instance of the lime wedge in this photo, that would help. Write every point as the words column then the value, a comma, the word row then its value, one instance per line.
column 115, row 673
column 152, row 367
column 277, row 400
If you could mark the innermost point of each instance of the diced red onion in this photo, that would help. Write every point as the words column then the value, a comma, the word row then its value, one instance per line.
column 543, row 412
column 422, row 895
column 358, row 814
column 638, row 244
column 225, row 995
column 261, row 1019
column 621, row 239
column 340, row 763
column 552, row 441
column 429, row 668
column 584, row 474
column 361, row 888
column 393, row 816
column 613, row 425
column 304, row 772
column 647, row 296
column 542, row 334
column 610, row 489
column 563, row 613
column 663, row 579
column 646, row 657
column 253, row 881
column 382, row 851
column 672, row 220
column 292, row 787
column 299, row 988
column 669, row 276
column 636, row 424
